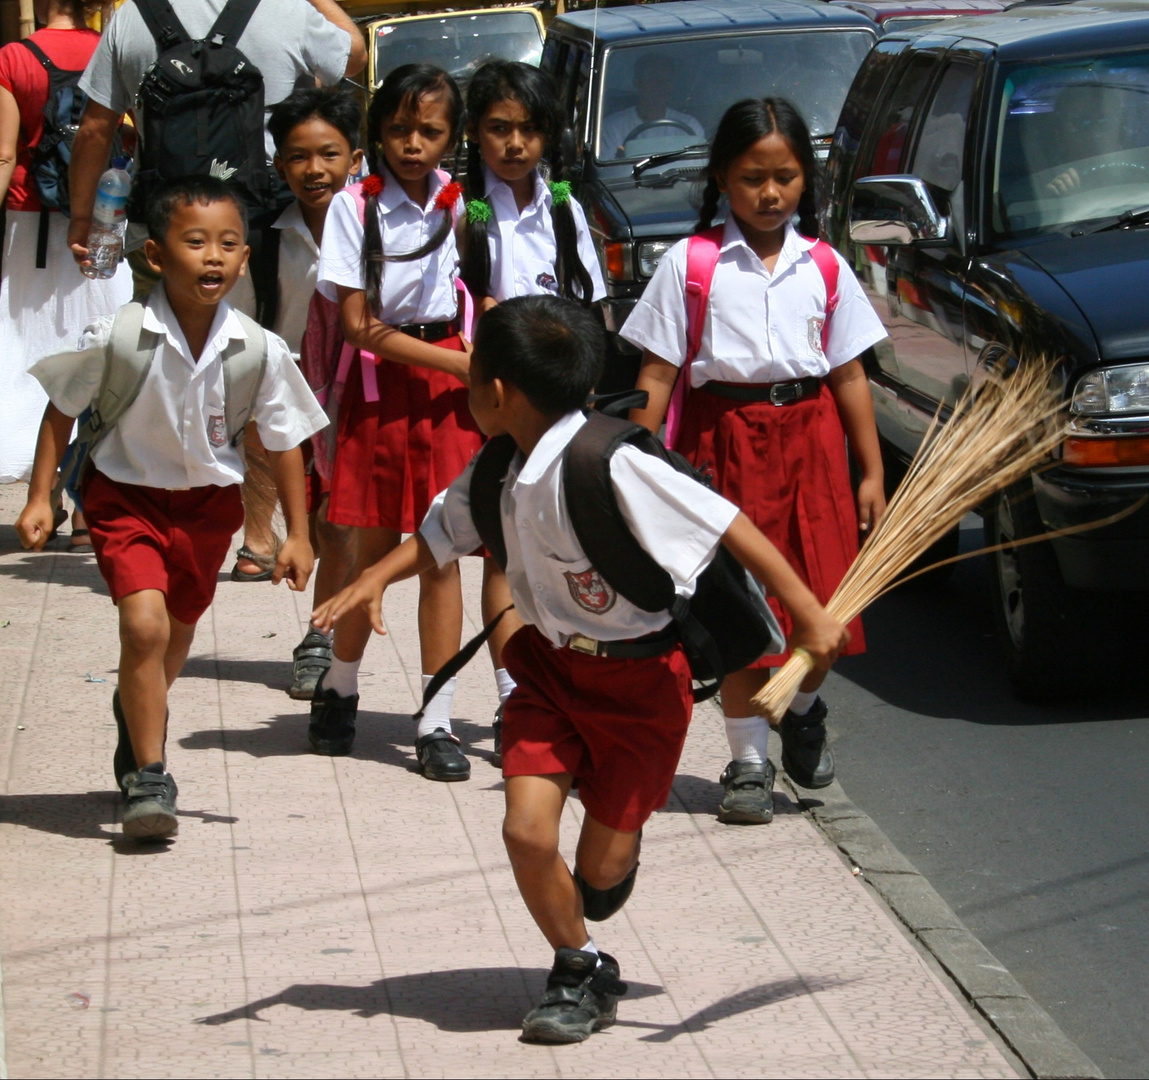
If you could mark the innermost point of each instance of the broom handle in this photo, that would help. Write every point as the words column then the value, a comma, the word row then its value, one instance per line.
column 775, row 698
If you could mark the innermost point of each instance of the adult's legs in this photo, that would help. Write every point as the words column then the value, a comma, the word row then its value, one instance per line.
column 259, row 502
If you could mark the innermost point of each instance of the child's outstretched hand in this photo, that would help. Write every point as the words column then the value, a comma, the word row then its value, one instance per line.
column 822, row 637
column 35, row 524
column 365, row 592
column 294, row 563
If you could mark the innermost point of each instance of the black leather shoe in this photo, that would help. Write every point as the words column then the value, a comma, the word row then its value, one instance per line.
column 581, row 998
column 497, row 727
column 749, row 795
column 441, row 757
column 806, row 756
column 332, row 727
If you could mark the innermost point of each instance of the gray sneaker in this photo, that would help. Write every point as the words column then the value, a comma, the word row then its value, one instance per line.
column 310, row 659
column 151, row 804
column 749, row 795
column 581, row 998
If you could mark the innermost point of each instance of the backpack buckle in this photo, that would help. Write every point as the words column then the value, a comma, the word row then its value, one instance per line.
column 95, row 420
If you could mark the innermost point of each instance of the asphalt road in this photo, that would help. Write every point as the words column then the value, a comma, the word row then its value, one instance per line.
column 1032, row 821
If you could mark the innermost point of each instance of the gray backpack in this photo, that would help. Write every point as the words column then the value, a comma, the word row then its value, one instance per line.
column 131, row 349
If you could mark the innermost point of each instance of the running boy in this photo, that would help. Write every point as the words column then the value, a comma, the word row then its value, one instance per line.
column 163, row 498
column 603, row 691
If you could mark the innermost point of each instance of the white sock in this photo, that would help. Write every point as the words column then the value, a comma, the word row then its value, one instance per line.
column 591, row 947
column 438, row 711
column 747, row 736
column 803, row 703
column 504, row 683
column 343, row 676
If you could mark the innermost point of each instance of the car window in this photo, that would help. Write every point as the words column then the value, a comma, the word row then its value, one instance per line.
column 1072, row 143
column 893, row 129
column 940, row 152
column 665, row 96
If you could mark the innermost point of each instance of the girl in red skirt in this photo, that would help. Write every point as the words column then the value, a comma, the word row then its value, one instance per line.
column 388, row 259
column 775, row 390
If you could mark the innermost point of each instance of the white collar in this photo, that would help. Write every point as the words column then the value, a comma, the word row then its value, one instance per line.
column 292, row 218
column 500, row 190
column 393, row 196
column 549, row 447
column 794, row 244
column 160, row 319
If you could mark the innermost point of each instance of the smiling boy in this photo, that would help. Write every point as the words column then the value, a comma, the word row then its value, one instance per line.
column 162, row 498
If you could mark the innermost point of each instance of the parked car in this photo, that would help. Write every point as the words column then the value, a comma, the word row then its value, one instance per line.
column 991, row 184
column 894, row 15
column 688, row 61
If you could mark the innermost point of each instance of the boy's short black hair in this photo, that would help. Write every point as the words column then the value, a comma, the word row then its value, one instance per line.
column 339, row 108
column 184, row 191
column 549, row 348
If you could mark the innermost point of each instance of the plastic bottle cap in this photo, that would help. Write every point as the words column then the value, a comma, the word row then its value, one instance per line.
column 121, row 163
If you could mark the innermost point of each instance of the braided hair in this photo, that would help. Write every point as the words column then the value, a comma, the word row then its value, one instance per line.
column 741, row 126
column 503, row 80
column 402, row 90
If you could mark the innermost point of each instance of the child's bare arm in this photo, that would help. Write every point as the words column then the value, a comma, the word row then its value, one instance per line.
column 364, row 331
column 410, row 558
column 34, row 525
column 295, row 559
column 851, row 392
column 816, row 631
column 657, row 377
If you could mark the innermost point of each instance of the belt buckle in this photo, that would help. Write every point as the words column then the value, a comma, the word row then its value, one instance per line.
column 785, row 393
column 582, row 644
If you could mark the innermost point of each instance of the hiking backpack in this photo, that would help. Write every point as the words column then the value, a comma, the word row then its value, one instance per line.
column 203, row 107
column 131, row 349
column 725, row 626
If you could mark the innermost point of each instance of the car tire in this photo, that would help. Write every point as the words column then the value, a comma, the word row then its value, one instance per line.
column 1041, row 623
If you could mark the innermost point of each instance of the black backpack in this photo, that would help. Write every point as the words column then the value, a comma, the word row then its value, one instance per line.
column 724, row 627
column 53, row 153
column 203, row 107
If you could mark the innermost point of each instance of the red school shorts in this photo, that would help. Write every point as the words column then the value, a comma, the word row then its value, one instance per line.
column 152, row 538
column 616, row 726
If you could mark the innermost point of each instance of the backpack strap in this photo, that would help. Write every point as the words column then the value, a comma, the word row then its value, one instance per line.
column 244, row 364
column 827, row 263
column 486, row 491
column 232, row 22
column 702, row 251
column 163, row 24
column 39, row 53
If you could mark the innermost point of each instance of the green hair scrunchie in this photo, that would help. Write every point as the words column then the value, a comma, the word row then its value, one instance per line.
column 479, row 210
column 560, row 192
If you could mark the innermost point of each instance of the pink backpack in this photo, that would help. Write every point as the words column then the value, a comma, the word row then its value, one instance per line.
column 702, row 252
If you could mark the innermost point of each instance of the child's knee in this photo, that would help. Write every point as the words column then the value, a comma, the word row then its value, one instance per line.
column 144, row 628
column 529, row 839
column 333, row 538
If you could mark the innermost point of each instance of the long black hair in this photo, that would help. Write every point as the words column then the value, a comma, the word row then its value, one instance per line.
column 403, row 89
column 508, row 80
column 741, row 126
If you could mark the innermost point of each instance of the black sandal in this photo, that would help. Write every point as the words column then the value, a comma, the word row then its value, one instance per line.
column 267, row 562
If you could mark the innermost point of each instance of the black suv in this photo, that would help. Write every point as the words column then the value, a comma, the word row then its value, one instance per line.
column 990, row 182
column 644, row 88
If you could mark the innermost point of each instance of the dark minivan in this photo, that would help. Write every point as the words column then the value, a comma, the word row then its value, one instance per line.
column 644, row 87
column 990, row 182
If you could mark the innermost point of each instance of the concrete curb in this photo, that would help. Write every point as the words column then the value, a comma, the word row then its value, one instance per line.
column 1026, row 1028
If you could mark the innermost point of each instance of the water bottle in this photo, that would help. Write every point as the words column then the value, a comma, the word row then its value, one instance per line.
column 109, row 221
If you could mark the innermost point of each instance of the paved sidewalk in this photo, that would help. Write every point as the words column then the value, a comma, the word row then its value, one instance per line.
column 345, row 917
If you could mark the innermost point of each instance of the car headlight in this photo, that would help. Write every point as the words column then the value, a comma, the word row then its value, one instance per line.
column 1115, row 391
column 650, row 255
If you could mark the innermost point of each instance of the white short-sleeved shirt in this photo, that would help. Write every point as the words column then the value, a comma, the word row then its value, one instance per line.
column 174, row 434
column 760, row 327
column 553, row 584
column 298, row 267
column 420, row 291
column 523, row 249
column 617, row 126
column 284, row 40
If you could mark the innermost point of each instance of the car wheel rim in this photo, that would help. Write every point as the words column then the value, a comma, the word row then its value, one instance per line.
column 1009, row 574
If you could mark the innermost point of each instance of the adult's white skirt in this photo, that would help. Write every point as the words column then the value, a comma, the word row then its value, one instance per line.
column 41, row 312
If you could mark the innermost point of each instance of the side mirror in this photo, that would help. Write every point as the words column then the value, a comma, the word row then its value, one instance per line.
column 895, row 210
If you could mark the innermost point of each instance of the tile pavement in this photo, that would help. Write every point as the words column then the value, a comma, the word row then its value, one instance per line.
column 344, row 917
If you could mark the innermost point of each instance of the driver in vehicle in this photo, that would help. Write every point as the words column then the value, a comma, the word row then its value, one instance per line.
column 653, row 82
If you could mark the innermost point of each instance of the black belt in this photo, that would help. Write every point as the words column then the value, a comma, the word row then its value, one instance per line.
column 779, row 393
column 429, row 331
column 662, row 641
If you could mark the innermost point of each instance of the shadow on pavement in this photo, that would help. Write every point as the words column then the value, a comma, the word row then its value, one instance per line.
column 71, row 814
column 274, row 674
column 699, row 795
column 496, row 998
column 79, row 571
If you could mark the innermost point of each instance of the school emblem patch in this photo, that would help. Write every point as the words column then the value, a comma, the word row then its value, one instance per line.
column 216, row 431
column 548, row 282
column 590, row 592
column 814, row 326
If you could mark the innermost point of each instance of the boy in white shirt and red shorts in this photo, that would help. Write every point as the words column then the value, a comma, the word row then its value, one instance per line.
column 162, row 498
column 603, row 692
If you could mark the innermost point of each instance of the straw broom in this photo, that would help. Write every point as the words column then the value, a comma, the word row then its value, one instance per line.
column 996, row 435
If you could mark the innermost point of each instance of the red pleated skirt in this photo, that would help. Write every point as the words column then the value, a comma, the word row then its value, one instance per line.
column 396, row 454
column 786, row 467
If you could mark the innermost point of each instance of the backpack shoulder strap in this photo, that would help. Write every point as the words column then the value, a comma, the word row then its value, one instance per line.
column 827, row 263
column 243, row 366
column 600, row 528
column 486, row 491
column 130, row 352
column 232, row 22
column 702, row 251
column 164, row 24
column 356, row 193
column 39, row 53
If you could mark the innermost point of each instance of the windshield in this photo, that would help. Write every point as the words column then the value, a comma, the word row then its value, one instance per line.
column 1072, row 143
column 665, row 96
column 458, row 43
